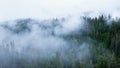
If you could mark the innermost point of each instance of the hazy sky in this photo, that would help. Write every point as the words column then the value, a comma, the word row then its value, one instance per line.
column 40, row 9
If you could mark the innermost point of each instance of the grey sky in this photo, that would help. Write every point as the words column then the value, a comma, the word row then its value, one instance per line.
column 44, row 9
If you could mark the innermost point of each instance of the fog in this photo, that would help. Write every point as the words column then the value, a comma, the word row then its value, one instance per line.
column 46, row 9
column 40, row 29
column 41, row 40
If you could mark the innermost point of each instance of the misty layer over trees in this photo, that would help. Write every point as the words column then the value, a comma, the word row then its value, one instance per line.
column 72, row 42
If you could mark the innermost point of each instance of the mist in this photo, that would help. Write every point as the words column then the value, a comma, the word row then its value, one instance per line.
column 43, row 30
column 41, row 40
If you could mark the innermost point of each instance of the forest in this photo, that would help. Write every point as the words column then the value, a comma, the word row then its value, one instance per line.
column 102, row 34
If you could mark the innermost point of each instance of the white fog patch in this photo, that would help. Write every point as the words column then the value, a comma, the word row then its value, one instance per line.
column 42, row 40
column 71, row 25
column 116, row 14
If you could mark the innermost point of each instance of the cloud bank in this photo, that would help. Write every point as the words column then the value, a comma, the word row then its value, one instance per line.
column 45, row 9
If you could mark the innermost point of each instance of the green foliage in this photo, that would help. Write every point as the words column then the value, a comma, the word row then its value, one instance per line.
column 109, row 34
column 107, row 38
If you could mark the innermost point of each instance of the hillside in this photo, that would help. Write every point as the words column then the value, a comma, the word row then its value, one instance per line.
column 60, row 43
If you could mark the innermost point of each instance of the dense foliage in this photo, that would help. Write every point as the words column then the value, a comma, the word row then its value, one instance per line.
column 106, row 34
